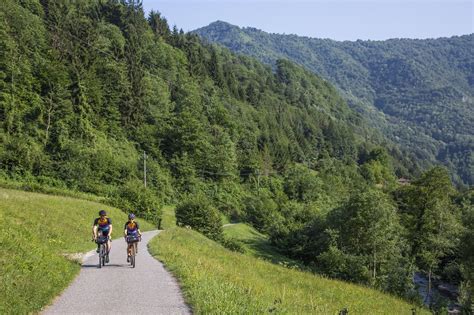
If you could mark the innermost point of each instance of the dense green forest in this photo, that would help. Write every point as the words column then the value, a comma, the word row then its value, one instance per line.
column 88, row 87
column 419, row 93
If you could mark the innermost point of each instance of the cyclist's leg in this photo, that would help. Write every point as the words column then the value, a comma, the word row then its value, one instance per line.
column 129, row 251
column 109, row 243
column 99, row 234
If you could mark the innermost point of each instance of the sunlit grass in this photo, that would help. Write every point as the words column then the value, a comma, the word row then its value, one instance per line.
column 218, row 281
column 169, row 218
column 257, row 244
column 37, row 230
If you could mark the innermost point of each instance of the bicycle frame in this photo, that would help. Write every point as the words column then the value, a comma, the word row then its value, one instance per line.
column 103, row 250
column 132, row 250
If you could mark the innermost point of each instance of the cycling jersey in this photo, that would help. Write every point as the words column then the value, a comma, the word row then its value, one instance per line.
column 103, row 224
column 131, row 227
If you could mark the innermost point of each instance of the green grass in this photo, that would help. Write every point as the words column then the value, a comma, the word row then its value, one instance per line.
column 257, row 244
column 9, row 183
column 36, row 231
column 225, row 219
column 218, row 281
column 168, row 218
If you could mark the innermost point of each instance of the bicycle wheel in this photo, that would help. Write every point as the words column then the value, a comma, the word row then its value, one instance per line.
column 101, row 256
column 132, row 256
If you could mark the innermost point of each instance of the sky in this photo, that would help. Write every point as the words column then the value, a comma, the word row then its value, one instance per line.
column 336, row 19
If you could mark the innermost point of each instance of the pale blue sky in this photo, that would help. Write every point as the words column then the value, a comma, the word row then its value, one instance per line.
column 337, row 19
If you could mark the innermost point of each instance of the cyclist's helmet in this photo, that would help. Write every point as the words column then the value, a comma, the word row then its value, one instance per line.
column 131, row 216
column 102, row 212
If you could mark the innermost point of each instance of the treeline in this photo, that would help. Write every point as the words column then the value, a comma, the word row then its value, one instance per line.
column 418, row 93
column 87, row 87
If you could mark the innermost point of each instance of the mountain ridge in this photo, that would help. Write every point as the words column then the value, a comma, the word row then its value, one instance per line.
column 397, row 84
column 230, row 25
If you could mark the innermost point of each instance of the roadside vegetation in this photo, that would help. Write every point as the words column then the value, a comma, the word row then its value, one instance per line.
column 41, row 239
column 218, row 281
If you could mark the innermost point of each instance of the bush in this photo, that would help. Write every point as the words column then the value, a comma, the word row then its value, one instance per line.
column 233, row 245
column 134, row 197
column 228, row 199
column 198, row 213
column 337, row 264
column 260, row 211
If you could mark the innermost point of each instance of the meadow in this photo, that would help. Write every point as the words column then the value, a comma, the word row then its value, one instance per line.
column 41, row 239
column 218, row 281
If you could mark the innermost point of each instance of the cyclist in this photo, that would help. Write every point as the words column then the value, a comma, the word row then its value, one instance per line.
column 131, row 229
column 103, row 224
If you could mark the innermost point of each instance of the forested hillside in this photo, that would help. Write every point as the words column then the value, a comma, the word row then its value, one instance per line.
column 419, row 93
column 86, row 87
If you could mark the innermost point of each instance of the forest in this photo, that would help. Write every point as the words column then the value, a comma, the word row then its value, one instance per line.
column 418, row 93
column 90, row 90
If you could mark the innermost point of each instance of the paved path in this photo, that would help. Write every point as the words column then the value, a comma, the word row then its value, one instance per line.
column 229, row 224
column 119, row 289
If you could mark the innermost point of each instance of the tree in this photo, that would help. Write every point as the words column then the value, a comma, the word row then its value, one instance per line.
column 367, row 229
column 215, row 68
column 159, row 25
column 377, row 168
column 302, row 183
column 466, row 250
column 431, row 218
column 198, row 213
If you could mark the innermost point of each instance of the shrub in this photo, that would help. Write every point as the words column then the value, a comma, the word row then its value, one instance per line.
column 233, row 245
column 260, row 211
column 228, row 199
column 134, row 197
column 198, row 213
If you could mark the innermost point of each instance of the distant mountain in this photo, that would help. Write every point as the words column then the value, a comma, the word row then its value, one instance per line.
column 419, row 93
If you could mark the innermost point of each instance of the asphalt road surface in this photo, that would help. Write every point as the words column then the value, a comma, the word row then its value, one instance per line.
column 117, row 288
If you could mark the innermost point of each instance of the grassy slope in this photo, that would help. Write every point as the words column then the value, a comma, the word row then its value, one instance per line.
column 169, row 218
column 257, row 244
column 36, row 230
column 216, row 280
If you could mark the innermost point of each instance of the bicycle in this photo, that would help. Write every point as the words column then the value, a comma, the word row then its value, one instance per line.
column 103, row 254
column 132, row 243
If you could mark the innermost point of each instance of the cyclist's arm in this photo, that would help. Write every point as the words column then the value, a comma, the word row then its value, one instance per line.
column 94, row 229
column 110, row 232
column 138, row 229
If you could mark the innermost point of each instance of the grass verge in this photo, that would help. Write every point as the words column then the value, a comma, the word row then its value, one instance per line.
column 37, row 230
column 218, row 281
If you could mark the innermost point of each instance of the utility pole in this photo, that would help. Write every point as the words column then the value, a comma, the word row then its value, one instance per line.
column 144, row 168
